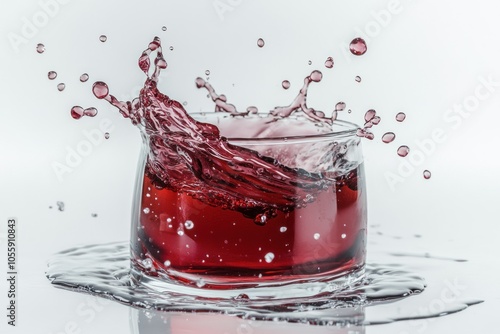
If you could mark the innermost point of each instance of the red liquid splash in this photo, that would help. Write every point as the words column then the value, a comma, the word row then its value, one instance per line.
column 358, row 47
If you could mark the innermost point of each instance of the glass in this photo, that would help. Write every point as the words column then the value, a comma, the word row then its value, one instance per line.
column 177, row 239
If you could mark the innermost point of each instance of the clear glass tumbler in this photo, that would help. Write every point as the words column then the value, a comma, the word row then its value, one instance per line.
column 182, row 240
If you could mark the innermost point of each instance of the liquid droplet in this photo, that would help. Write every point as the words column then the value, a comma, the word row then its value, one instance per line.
column 260, row 42
column 388, row 137
column 171, row 48
column 285, row 84
column 40, row 48
column 100, row 90
column 91, row 112
column 60, row 206
column 52, row 75
column 358, row 78
column 370, row 114
column 358, row 47
column 106, row 135
column 189, row 224
column 261, row 219
column 147, row 263
column 207, row 72
column 269, row 257
column 242, row 297
column 164, row 28
column 316, row 76
column 340, row 106
column 77, row 112
column 61, row 86
column 180, row 230
column 400, row 117
column 316, row 236
column 427, row 174
column 403, row 151
column 329, row 62
column 310, row 62
column 84, row 77
column 103, row 38
column 94, row 215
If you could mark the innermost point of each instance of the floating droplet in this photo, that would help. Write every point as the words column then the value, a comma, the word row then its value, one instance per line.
column 106, row 135
column 60, row 206
column 94, row 215
column 340, row 106
column 103, row 38
column 40, row 48
column 358, row 46
column 100, row 89
column 316, row 236
column 388, row 137
column 242, row 297
column 316, row 76
column 358, row 78
column 77, row 112
column 400, row 117
column 427, row 174
column 329, row 62
column 349, row 111
column 310, row 62
column 171, row 48
column 52, row 75
column 91, row 112
column 207, row 72
column 164, row 28
column 403, row 151
column 260, row 42
column 189, row 224
column 370, row 114
column 61, row 86
column 269, row 257
column 285, row 84
column 283, row 229
column 84, row 77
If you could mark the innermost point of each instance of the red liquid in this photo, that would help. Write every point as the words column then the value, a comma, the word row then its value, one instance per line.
column 324, row 238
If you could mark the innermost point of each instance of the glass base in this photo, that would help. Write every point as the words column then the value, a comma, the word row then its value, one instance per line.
column 265, row 292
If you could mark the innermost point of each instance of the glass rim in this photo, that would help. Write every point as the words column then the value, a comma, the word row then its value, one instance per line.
column 350, row 129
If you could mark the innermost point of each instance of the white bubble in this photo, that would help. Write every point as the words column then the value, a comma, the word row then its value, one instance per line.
column 316, row 236
column 269, row 257
column 343, row 235
column 167, row 263
column 147, row 263
column 283, row 229
column 146, row 210
column 189, row 224
column 200, row 283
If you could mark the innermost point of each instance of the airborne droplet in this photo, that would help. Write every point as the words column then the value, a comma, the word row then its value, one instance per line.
column 427, row 174
column 100, row 90
column 285, row 84
column 400, row 117
column 52, row 75
column 403, row 151
column 61, row 86
column 269, row 257
column 103, row 38
column 358, row 47
column 329, row 62
column 340, row 106
column 40, row 48
column 357, row 78
column 260, row 42
column 106, row 135
column 84, row 77
column 388, row 137
column 164, row 28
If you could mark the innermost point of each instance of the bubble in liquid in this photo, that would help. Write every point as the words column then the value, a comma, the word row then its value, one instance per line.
column 200, row 283
column 340, row 106
column 167, row 263
column 61, row 86
column 189, row 224
column 242, row 297
column 269, row 257
column 40, row 48
column 106, row 135
column 147, row 263
column 329, row 62
column 52, row 75
column 260, row 42
column 358, row 78
column 427, row 174
column 146, row 210
column 388, row 137
column 400, row 117
column 285, row 84
column 283, row 229
column 60, row 206
column 358, row 47
column 84, row 77
column 403, row 151
column 164, row 28
column 343, row 236
column 207, row 72
column 180, row 230
column 316, row 236
column 100, row 89
column 103, row 38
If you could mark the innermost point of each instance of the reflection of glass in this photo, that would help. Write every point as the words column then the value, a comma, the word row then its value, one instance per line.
column 154, row 322
column 179, row 239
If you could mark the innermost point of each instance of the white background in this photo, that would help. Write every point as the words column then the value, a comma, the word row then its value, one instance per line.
column 424, row 58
